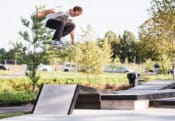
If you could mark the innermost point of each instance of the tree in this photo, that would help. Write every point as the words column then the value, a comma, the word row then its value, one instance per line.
column 157, row 33
column 113, row 40
column 159, row 29
column 107, row 52
column 17, row 48
column 123, row 47
column 7, row 56
column 32, row 51
column 151, row 45
column 148, row 65
column 165, row 64
column 127, row 47
column 2, row 54
column 90, row 57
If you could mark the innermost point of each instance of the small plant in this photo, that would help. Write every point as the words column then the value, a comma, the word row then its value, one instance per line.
column 148, row 65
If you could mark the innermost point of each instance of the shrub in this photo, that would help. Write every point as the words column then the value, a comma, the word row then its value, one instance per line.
column 17, row 97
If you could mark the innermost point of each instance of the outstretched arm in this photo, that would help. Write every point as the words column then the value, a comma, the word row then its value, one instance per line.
column 72, row 38
column 44, row 13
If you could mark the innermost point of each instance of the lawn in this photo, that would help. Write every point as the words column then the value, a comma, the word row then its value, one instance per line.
column 81, row 78
column 95, row 80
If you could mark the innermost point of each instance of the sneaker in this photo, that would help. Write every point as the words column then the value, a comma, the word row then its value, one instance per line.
column 57, row 43
column 53, row 42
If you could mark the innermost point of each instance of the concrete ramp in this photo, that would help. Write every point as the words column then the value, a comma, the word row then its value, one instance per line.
column 56, row 99
column 62, row 99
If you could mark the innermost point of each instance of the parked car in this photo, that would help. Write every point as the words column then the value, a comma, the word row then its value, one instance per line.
column 3, row 67
column 115, row 69
column 69, row 67
column 109, row 68
column 155, row 69
column 43, row 67
column 122, row 69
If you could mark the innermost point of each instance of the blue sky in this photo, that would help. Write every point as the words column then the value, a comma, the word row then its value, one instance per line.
column 103, row 15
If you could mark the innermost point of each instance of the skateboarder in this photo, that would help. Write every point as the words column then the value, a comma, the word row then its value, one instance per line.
column 61, row 22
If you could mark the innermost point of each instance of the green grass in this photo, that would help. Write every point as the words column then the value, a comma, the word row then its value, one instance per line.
column 157, row 77
column 96, row 80
column 161, row 77
column 74, row 75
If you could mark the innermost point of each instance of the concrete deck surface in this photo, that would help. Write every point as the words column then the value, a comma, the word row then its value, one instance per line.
column 103, row 115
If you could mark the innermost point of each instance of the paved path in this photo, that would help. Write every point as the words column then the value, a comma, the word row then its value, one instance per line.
column 15, row 109
column 103, row 115
column 13, row 75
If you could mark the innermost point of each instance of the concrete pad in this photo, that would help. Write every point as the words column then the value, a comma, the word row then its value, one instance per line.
column 103, row 115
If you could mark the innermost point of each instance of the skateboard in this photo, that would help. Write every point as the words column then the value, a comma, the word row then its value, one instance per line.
column 66, row 45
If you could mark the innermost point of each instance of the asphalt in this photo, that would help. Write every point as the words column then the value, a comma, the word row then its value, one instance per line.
column 16, row 109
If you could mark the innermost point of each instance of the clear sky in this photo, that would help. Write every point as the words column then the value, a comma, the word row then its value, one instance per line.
column 103, row 15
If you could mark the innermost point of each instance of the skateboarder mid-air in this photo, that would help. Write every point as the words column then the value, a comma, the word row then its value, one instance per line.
column 62, row 24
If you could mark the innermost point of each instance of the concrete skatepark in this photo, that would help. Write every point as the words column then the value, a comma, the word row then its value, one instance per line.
column 79, row 103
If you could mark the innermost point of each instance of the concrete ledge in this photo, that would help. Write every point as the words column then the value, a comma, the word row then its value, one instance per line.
column 139, row 95
column 163, row 102
column 125, row 104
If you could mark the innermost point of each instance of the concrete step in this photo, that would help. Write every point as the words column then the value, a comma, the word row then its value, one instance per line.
column 163, row 102
column 88, row 101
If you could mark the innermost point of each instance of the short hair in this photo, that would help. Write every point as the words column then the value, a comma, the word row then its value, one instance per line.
column 77, row 8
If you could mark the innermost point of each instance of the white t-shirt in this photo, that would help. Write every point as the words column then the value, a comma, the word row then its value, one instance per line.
column 58, row 13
